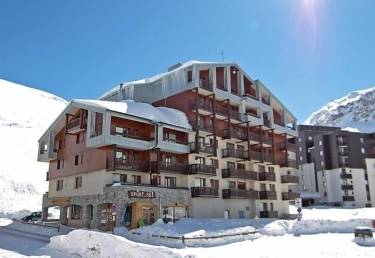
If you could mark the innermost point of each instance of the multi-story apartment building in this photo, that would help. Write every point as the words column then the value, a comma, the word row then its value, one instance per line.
column 338, row 165
column 202, row 140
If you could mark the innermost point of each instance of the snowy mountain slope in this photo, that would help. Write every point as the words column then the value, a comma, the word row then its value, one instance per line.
column 24, row 115
column 355, row 111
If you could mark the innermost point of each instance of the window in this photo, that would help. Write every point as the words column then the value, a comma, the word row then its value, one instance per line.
column 60, row 164
column 90, row 210
column 361, row 139
column 300, row 148
column 232, row 185
column 155, row 180
column 60, row 144
column 271, row 169
column 200, row 182
column 123, row 179
column 121, row 155
column 200, row 160
column 263, row 187
column 320, row 143
column 321, row 153
column 272, row 188
column 362, row 150
column 137, row 180
column 241, row 214
column 261, row 168
column 241, row 186
column 170, row 182
column 59, row 185
column 189, row 76
column 81, row 158
column 322, row 163
column 214, row 183
column 76, row 158
column 310, row 138
column 78, row 183
column 77, row 138
column 215, row 163
column 75, row 212
column 231, row 165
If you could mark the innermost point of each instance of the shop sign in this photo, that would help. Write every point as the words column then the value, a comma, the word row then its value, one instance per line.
column 62, row 202
column 141, row 194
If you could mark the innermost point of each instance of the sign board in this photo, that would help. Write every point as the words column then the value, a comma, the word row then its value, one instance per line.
column 62, row 202
column 141, row 194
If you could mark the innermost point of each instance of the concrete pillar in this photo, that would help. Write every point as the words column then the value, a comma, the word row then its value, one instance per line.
column 85, row 216
column 63, row 215
column 96, row 216
column 228, row 76
column 44, row 213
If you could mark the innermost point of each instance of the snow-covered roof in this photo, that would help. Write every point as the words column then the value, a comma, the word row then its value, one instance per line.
column 158, row 76
column 142, row 110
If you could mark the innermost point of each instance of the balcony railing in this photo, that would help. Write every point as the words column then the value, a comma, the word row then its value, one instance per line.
column 285, row 179
column 286, row 196
column 254, row 136
column 267, row 195
column 287, row 163
column 348, row 198
column 179, row 168
column 233, row 153
column 236, row 134
column 347, row 187
column 267, row 139
column 255, row 155
column 123, row 164
column 205, row 84
column 267, row 176
column 178, row 141
column 204, row 192
column 268, row 158
column 240, row 194
column 201, row 169
column 205, row 148
column 346, row 176
column 268, row 214
column 131, row 135
column 202, row 127
column 194, row 105
column 239, row 173
column 76, row 124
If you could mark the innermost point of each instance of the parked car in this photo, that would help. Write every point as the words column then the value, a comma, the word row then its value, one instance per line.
column 34, row 216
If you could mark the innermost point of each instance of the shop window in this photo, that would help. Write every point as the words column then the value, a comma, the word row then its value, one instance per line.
column 123, row 179
column 59, row 185
column 137, row 179
column 75, row 212
column 78, row 182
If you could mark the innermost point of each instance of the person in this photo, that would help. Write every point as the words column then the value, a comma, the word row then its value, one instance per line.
column 141, row 223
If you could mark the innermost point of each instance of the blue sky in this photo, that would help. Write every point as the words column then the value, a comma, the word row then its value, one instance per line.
column 307, row 52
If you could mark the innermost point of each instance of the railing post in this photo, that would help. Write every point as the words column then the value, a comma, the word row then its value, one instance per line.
column 183, row 241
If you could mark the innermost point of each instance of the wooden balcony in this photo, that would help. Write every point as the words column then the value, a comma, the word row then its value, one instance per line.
column 202, row 127
column 254, row 136
column 287, row 196
column 205, row 84
column 268, row 214
column 204, row 192
column 239, row 173
column 234, row 134
column 76, row 125
column 200, row 147
column 131, row 135
column 123, row 164
column 240, row 194
column 201, row 104
column 268, row 158
column 168, row 167
column 233, row 153
column 267, row 176
column 201, row 169
column 267, row 195
column 289, row 179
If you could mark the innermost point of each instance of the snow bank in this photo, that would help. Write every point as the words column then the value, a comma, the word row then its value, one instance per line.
column 303, row 227
column 98, row 244
column 364, row 242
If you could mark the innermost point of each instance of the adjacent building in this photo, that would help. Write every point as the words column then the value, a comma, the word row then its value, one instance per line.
column 337, row 166
column 202, row 140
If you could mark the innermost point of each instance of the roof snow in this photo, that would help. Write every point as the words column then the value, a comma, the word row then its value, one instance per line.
column 143, row 110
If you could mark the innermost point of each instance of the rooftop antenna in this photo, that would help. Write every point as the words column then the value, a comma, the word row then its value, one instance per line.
column 222, row 55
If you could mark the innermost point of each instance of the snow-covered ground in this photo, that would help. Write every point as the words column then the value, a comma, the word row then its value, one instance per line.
column 24, row 114
column 277, row 238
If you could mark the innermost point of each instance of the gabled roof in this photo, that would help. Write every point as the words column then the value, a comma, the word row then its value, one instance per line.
column 141, row 110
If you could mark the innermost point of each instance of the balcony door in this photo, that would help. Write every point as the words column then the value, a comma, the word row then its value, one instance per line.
column 200, row 182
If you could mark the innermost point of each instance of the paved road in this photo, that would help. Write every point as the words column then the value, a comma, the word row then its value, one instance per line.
column 26, row 243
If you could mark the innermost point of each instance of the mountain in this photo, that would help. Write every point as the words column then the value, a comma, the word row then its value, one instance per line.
column 25, row 113
column 354, row 112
